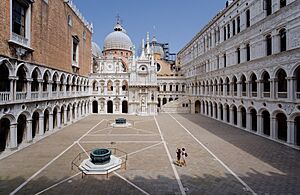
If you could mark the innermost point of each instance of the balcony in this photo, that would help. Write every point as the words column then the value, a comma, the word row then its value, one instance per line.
column 4, row 96
column 244, row 93
column 21, row 95
column 254, row 94
column 45, row 94
column 267, row 94
column 20, row 40
column 34, row 95
column 282, row 94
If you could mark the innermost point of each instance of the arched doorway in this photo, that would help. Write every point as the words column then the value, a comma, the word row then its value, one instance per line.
column 62, row 115
column 124, row 107
column 95, row 106
column 281, row 126
column 297, row 130
column 216, row 110
column 68, row 113
column 234, row 109
column 35, row 123
column 266, row 122
column 227, row 113
column 109, row 106
column 55, row 118
column 253, row 114
column 221, row 112
column 21, row 128
column 46, row 121
column 4, row 132
column 4, row 80
column 244, row 117
column 73, row 112
column 197, row 107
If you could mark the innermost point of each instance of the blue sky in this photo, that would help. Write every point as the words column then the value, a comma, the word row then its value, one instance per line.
column 172, row 21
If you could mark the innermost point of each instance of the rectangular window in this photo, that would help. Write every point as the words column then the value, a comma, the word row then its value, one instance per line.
column 248, row 18
column 233, row 27
column 238, row 21
column 75, row 49
column 282, row 3
column 268, row 6
column 238, row 52
column 228, row 31
column 165, row 88
column 224, row 56
column 248, row 52
column 19, row 17
column 171, row 88
column 224, row 33
column 269, row 44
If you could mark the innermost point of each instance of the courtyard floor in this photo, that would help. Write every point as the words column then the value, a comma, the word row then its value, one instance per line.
column 221, row 159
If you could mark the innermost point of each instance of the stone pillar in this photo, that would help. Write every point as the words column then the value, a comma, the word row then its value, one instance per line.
column 259, row 88
column 273, row 128
column 58, row 119
column 239, row 89
column 248, row 91
column 28, row 95
column 231, row 116
column 13, row 144
column 49, row 87
column 259, row 124
column 239, row 119
column 40, row 87
column 51, row 122
column 13, row 88
column 224, row 90
column 291, row 88
column 273, row 88
column 291, row 138
column 225, row 114
column 248, row 121
column 41, row 125
column 29, row 130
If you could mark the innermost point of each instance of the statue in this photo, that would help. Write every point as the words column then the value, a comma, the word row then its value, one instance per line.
column 102, row 106
column 117, row 106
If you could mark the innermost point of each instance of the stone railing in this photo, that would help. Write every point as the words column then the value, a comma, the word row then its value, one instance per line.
column 298, row 95
column 21, row 95
column 267, row 94
column 19, row 39
column 282, row 94
column 254, row 94
column 35, row 95
column 4, row 96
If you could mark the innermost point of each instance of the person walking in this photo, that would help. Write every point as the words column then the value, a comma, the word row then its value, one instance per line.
column 183, row 157
column 178, row 154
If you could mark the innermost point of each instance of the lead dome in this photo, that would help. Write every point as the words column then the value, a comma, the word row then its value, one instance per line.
column 118, row 40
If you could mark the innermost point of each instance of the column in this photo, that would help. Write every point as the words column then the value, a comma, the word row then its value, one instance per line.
column 41, row 125
column 224, row 90
column 273, row 128
column 291, row 132
column 291, row 88
column 231, row 116
column 248, row 92
column 248, row 121
column 13, row 88
column 13, row 137
column 225, row 114
column 28, row 95
column 40, row 87
column 259, row 88
column 275, row 42
column 239, row 89
column 259, row 124
column 51, row 122
column 273, row 88
column 29, row 130
column 239, row 119
column 58, row 119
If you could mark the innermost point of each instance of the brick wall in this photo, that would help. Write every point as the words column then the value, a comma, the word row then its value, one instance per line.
column 51, row 36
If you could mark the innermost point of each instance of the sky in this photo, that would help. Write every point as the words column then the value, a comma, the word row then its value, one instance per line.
column 171, row 21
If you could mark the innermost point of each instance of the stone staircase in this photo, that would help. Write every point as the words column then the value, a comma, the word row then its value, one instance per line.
column 180, row 105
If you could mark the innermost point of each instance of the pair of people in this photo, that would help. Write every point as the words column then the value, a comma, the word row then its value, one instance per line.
column 181, row 156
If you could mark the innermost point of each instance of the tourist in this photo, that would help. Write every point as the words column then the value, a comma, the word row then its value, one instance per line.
column 183, row 157
column 178, row 152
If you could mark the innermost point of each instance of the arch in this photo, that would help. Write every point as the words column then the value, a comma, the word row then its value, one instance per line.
column 165, row 101
column 46, row 120
column 109, row 106
column 22, row 79
column 124, row 85
column 281, row 83
column 159, row 104
column 297, row 130
column 234, row 110
column 62, row 115
column 253, row 118
column 265, row 76
column 227, row 113
column 197, row 107
column 253, row 85
column 95, row 106
column 221, row 112
column 124, row 106
column 46, row 78
column 4, row 133
column 95, row 86
column 281, row 123
column 266, row 122
column 54, row 81
column 7, row 63
column 234, row 83
column 243, row 117
column 216, row 109
column 244, row 85
column 21, row 128
column 297, row 77
column 22, row 67
column 283, row 39
column 55, row 119
column 4, row 78
column 170, row 99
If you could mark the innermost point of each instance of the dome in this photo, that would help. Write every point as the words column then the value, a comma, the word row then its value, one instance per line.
column 118, row 40
column 96, row 51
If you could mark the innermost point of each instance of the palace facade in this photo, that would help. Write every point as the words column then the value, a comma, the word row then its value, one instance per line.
column 243, row 68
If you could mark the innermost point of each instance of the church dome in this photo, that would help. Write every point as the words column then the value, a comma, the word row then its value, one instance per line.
column 118, row 40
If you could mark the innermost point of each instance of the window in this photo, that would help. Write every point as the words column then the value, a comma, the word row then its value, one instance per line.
column 238, row 53
column 238, row 21
column 228, row 31
column 165, row 87
column 282, row 3
column 233, row 27
column 19, row 17
column 224, row 56
column 248, row 52
column 248, row 18
column 75, row 50
column 269, row 44
column 171, row 88
column 224, row 33
column 84, row 35
column 70, row 22
column 282, row 34
column 218, row 62
column 268, row 7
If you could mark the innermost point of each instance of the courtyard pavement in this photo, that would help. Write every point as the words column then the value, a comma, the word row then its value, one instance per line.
column 221, row 159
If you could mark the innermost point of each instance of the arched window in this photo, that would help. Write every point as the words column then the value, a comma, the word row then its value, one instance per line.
column 244, row 85
column 266, row 84
column 282, row 84
column 269, row 45
column 248, row 18
column 282, row 34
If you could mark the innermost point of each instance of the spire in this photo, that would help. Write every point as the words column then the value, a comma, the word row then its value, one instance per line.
column 148, row 44
column 143, row 49
column 118, row 26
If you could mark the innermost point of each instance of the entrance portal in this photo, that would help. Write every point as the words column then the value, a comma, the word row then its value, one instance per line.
column 124, row 107
column 109, row 106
